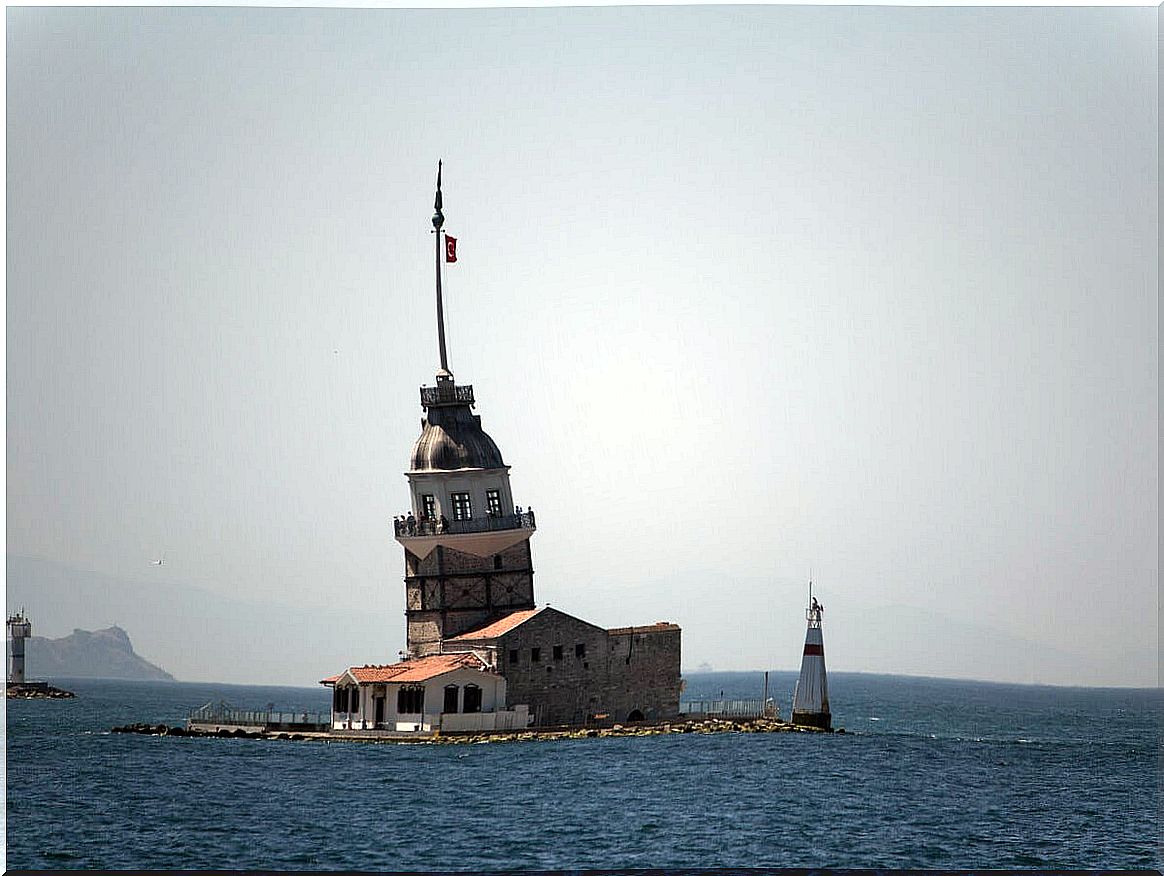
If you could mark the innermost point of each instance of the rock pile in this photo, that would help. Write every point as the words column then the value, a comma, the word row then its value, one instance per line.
column 711, row 725
column 35, row 691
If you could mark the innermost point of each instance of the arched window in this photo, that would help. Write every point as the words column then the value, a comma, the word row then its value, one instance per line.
column 472, row 698
column 451, row 691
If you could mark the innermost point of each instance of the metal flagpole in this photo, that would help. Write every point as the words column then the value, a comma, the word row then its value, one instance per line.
column 438, row 220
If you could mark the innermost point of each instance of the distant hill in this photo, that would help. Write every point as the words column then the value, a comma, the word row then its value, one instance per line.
column 99, row 654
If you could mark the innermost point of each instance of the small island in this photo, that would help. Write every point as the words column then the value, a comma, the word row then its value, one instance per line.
column 104, row 653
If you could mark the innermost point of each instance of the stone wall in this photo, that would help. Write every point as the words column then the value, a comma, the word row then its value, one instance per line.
column 450, row 591
column 581, row 670
column 644, row 672
column 562, row 689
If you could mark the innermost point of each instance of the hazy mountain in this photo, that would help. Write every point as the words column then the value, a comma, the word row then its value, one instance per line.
column 83, row 654
column 200, row 636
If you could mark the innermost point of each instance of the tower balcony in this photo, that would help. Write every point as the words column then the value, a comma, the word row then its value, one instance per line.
column 481, row 536
column 444, row 526
column 446, row 393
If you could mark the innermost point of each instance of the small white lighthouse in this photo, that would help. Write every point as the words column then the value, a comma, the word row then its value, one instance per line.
column 19, row 629
column 810, row 702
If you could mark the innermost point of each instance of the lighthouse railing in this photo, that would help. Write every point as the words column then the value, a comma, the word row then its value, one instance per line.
column 446, row 394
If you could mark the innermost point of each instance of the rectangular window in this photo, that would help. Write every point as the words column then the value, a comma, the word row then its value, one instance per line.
column 354, row 702
column 557, row 652
column 535, row 654
column 493, row 503
column 428, row 506
column 580, row 650
column 451, row 692
column 462, row 507
column 513, row 655
column 410, row 701
column 472, row 699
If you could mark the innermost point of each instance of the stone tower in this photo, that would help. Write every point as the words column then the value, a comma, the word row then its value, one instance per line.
column 466, row 547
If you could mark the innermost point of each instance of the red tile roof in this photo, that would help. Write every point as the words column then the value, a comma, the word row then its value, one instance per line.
column 420, row 669
column 498, row 627
column 660, row 627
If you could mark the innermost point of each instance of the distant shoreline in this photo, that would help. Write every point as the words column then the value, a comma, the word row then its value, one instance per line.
column 791, row 673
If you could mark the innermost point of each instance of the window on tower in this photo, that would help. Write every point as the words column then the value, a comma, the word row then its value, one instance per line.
column 428, row 504
column 493, row 503
column 462, row 506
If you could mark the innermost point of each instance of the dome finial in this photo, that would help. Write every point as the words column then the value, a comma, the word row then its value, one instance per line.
column 438, row 218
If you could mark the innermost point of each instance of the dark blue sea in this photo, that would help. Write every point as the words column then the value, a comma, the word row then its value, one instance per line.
column 931, row 773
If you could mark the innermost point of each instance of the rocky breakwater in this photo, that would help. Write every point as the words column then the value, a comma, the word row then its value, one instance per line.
column 710, row 725
column 713, row 725
column 237, row 733
column 36, row 690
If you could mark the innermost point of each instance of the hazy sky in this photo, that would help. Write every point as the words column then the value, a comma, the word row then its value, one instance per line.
column 742, row 291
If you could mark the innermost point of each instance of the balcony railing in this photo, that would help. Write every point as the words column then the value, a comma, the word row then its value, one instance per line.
column 411, row 527
column 446, row 394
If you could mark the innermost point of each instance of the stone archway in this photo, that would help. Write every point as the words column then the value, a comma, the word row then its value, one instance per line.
column 635, row 717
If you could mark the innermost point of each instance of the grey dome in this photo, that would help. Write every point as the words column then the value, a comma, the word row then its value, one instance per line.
column 451, row 438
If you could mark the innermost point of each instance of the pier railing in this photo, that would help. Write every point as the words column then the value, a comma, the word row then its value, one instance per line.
column 750, row 708
column 223, row 713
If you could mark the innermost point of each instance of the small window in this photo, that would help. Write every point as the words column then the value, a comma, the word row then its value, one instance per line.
column 472, row 698
column 354, row 701
column 557, row 652
column 535, row 654
column 497, row 561
column 451, row 692
column 428, row 506
column 580, row 649
column 513, row 655
column 493, row 503
column 462, row 506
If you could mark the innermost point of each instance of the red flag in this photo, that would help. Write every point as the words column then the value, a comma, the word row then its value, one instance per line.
column 450, row 248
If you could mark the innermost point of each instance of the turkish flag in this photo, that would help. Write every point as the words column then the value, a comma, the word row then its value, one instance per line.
column 450, row 248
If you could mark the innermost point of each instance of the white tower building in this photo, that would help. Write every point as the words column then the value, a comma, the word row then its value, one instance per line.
column 19, row 629
column 466, row 545
column 810, row 702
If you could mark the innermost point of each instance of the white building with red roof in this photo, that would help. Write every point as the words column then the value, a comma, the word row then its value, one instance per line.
column 451, row 692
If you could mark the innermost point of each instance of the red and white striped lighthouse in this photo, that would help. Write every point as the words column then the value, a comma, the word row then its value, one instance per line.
column 810, row 702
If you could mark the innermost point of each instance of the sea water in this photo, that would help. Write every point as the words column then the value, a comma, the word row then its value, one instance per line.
column 930, row 773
